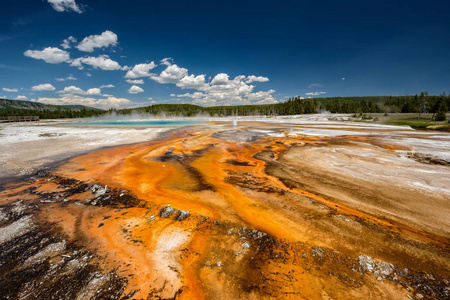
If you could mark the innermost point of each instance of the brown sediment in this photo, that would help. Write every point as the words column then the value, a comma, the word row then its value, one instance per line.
column 264, row 221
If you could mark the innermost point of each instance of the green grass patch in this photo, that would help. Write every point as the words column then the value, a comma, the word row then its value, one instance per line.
column 414, row 122
column 426, row 121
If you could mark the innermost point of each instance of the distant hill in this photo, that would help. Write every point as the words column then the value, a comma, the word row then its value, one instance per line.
column 20, row 104
column 45, row 111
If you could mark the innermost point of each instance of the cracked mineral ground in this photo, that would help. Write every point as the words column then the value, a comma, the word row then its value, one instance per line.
column 259, row 211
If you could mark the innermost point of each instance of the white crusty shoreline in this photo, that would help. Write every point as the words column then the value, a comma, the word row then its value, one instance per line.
column 28, row 147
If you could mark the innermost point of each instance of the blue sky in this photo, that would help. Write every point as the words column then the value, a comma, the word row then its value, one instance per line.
column 140, row 52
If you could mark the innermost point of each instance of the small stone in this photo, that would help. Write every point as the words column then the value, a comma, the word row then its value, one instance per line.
column 166, row 211
column 181, row 215
column 317, row 251
column 366, row 263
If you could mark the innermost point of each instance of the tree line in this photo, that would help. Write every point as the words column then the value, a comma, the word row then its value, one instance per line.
column 423, row 103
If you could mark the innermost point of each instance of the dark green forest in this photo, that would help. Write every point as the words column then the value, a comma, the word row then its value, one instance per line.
column 423, row 103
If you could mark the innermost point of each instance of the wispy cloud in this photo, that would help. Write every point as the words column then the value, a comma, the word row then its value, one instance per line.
column 315, row 94
column 10, row 90
column 8, row 37
column 22, row 21
column 315, row 85
column 67, row 43
column 107, row 86
column 70, row 77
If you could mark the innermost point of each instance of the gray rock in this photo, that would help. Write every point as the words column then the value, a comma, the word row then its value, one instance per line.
column 382, row 270
column 317, row 251
column 166, row 211
column 366, row 263
column 181, row 215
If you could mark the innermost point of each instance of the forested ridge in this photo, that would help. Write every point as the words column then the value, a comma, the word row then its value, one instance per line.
column 46, row 111
column 423, row 103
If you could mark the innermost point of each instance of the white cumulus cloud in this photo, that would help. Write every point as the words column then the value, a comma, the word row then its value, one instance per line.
column 51, row 55
column 253, row 78
column 74, row 90
column 94, row 91
column 261, row 96
column 140, row 70
column 135, row 81
column 192, row 82
column 220, row 79
column 10, row 90
column 43, row 87
column 106, row 39
column 21, row 98
column 222, row 90
column 135, row 89
column 172, row 74
column 101, row 62
column 65, row 5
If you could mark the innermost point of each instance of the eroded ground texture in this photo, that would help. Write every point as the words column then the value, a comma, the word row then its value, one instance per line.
column 258, row 211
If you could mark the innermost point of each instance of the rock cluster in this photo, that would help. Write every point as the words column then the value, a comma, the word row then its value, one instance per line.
column 168, row 211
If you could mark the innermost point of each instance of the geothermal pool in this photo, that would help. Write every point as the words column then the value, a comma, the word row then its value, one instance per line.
column 138, row 123
column 281, row 208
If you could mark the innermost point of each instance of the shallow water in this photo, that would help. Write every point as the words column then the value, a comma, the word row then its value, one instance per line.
column 146, row 123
